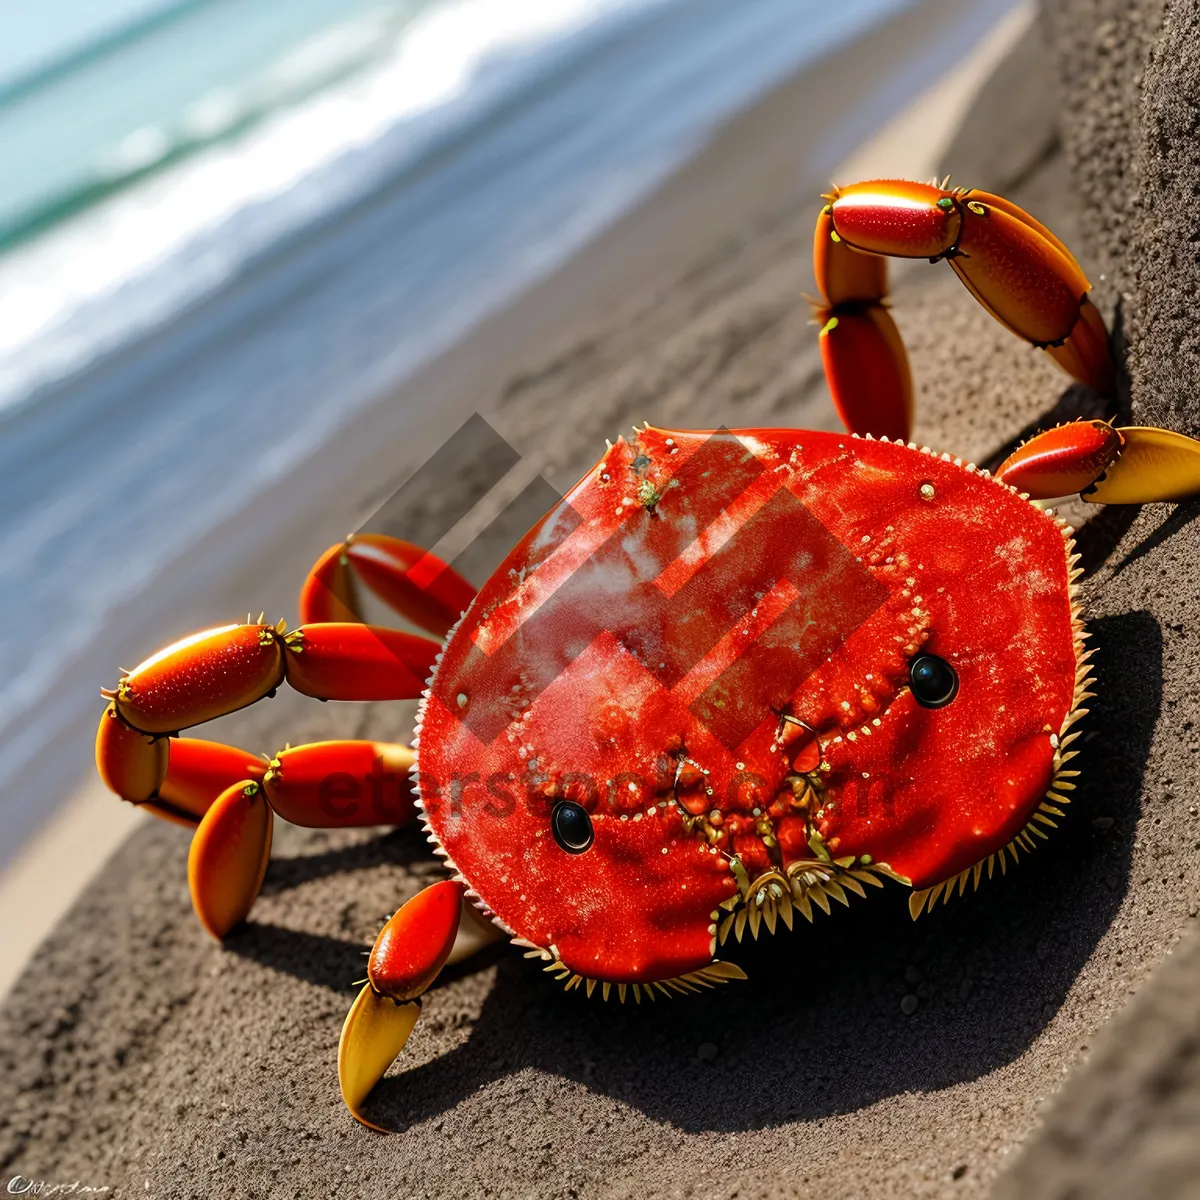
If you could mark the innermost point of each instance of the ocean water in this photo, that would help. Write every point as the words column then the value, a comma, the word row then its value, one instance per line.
column 193, row 135
column 220, row 216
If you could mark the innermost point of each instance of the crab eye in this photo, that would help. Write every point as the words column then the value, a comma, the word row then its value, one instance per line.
column 933, row 681
column 572, row 827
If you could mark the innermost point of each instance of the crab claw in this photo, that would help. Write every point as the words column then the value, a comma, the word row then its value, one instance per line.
column 373, row 1035
column 408, row 954
column 1154, row 464
column 228, row 857
column 1105, row 465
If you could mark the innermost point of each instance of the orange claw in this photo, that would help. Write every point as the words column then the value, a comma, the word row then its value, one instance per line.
column 1063, row 460
column 130, row 763
column 1154, row 465
column 228, row 857
column 867, row 370
column 373, row 1034
column 334, row 784
column 408, row 954
column 347, row 661
column 416, row 583
column 201, row 677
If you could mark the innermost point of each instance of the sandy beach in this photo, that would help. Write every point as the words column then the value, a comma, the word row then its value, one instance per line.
column 138, row 1055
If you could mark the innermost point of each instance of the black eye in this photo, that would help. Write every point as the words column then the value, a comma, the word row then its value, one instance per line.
column 933, row 681
column 572, row 826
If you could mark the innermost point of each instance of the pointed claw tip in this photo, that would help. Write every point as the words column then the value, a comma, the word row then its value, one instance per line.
column 373, row 1034
column 1153, row 465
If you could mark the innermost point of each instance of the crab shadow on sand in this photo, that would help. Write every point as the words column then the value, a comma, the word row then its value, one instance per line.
column 818, row 1030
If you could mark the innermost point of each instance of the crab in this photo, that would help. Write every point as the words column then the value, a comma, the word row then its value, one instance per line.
column 732, row 677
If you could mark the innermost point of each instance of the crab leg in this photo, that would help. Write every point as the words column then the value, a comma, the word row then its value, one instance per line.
column 845, row 275
column 1105, row 464
column 1017, row 273
column 206, row 675
column 174, row 778
column 228, row 857
column 218, row 671
column 412, row 581
column 408, row 954
column 321, row 785
column 329, row 592
column 861, row 350
column 1013, row 265
column 326, row 785
column 1030, row 282
column 1084, row 353
column 867, row 370
column 131, row 763
column 343, row 660
column 230, row 794
column 198, row 772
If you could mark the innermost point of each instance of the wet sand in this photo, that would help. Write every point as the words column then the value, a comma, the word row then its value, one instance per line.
column 138, row 1055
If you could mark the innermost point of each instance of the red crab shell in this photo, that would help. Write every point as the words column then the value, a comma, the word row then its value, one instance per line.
column 639, row 648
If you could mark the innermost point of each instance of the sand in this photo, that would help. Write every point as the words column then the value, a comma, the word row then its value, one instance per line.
column 1126, row 1125
column 139, row 1056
